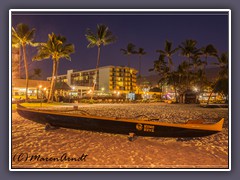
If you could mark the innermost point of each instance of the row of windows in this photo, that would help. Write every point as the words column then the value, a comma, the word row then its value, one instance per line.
column 122, row 70
column 91, row 73
column 121, row 88
column 111, row 80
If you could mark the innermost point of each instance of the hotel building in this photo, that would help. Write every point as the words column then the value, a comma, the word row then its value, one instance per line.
column 108, row 79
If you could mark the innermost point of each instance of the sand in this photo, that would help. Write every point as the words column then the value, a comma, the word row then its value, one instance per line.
column 34, row 147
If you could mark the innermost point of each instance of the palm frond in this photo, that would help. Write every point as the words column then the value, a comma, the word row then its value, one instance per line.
column 54, row 48
column 41, row 55
column 30, row 35
column 22, row 30
column 102, row 37
column 124, row 51
column 141, row 52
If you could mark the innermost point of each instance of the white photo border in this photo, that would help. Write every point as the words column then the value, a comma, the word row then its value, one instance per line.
column 120, row 11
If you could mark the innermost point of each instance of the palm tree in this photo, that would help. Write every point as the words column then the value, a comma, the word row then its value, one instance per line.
column 129, row 51
column 222, row 80
column 103, row 37
column 189, row 49
column 223, row 64
column 183, row 74
column 140, row 53
column 200, row 79
column 208, row 51
column 56, row 49
column 21, row 37
column 168, row 52
column 160, row 66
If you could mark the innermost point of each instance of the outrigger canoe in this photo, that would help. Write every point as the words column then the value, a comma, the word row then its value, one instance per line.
column 118, row 125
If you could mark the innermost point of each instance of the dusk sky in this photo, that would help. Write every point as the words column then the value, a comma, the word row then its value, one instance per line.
column 148, row 31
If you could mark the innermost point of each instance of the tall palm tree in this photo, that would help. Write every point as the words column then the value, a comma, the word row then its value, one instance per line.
column 208, row 51
column 56, row 49
column 140, row 53
column 168, row 52
column 183, row 74
column 160, row 66
column 188, row 50
column 103, row 37
column 21, row 37
column 129, row 51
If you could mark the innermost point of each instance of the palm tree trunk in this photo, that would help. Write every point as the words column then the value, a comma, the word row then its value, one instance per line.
column 20, row 55
column 95, row 81
column 26, row 68
column 188, row 83
column 140, row 66
column 53, row 80
column 56, row 74
column 211, row 93
column 98, row 57
column 204, row 69
column 209, row 97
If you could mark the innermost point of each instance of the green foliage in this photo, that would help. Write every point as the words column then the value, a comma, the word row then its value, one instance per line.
column 188, row 48
column 22, row 35
column 55, row 48
column 103, row 36
column 221, row 86
column 129, row 50
column 168, row 52
column 191, row 72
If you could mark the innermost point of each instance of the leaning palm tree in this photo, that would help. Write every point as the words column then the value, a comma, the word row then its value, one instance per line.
column 140, row 53
column 129, row 51
column 21, row 37
column 168, row 52
column 103, row 37
column 56, row 49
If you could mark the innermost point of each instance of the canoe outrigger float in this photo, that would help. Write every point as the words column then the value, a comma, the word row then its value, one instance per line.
column 120, row 126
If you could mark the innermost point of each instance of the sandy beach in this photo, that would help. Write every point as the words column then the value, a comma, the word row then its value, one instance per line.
column 34, row 147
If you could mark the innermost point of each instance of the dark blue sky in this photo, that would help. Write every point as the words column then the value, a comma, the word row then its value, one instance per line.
column 148, row 31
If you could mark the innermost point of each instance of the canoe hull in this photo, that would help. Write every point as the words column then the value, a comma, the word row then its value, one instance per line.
column 111, row 126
